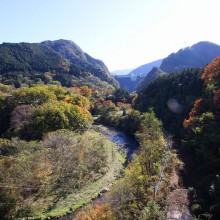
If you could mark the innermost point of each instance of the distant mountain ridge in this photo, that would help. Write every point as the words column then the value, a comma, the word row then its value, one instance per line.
column 146, row 68
column 72, row 52
column 152, row 75
column 131, row 80
column 63, row 59
column 121, row 72
column 198, row 55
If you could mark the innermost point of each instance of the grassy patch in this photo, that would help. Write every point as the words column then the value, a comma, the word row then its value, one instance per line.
column 120, row 157
column 52, row 207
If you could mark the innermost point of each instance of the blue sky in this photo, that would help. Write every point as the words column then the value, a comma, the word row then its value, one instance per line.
column 122, row 33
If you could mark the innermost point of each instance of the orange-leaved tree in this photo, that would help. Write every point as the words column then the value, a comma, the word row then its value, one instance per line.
column 203, row 139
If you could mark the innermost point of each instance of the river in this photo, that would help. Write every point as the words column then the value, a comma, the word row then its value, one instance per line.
column 126, row 145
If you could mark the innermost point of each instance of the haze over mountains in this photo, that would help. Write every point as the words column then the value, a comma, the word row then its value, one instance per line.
column 133, row 78
column 65, row 62
column 146, row 68
column 121, row 72
column 141, row 70
column 198, row 55
column 152, row 75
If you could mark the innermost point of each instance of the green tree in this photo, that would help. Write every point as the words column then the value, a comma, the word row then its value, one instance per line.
column 133, row 195
column 56, row 115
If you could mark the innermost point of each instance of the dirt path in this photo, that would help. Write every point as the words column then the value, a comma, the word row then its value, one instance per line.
column 177, row 205
column 184, row 176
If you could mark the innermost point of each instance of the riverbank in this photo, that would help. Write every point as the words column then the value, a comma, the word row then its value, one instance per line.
column 122, row 147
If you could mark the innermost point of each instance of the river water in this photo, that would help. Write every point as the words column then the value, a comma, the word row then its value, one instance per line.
column 126, row 145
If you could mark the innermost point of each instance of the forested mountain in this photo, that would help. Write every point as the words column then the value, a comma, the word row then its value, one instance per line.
column 172, row 96
column 73, row 52
column 198, row 55
column 75, row 55
column 152, row 75
column 26, row 63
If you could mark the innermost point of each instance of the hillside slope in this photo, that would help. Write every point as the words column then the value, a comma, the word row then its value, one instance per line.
column 152, row 75
column 145, row 69
column 172, row 97
column 75, row 55
column 26, row 63
column 198, row 55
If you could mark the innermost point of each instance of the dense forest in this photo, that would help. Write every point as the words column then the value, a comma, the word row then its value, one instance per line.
column 202, row 139
column 25, row 63
column 50, row 154
column 54, row 161
column 188, row 105
column 172, row 96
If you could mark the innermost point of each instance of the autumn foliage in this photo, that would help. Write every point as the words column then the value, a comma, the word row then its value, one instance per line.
column 97, row 212
column 194, row 112
column 211, row 77
column 212, row 71
column 30, row 112
column 203, row 140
